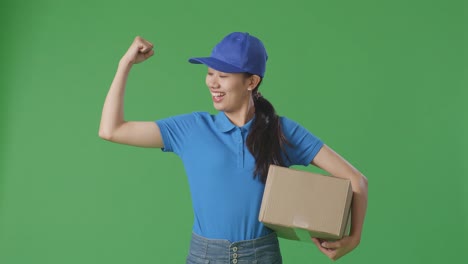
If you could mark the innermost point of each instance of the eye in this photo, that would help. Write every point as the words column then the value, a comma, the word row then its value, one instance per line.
column 224, row 76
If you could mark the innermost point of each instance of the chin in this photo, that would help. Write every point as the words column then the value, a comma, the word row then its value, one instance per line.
column 219, row 107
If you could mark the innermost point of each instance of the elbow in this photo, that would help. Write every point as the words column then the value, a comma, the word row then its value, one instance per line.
column 104, row 134
column 360, row 184
column 364, row 180
column 107, row 132
column 363, row 183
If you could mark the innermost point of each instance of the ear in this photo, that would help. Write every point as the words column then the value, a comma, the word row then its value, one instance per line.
column 253, row 81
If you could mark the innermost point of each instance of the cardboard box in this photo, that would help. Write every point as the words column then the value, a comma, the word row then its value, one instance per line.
column 299, row 204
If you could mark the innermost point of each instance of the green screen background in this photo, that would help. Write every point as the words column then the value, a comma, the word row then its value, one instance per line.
column 381, row 82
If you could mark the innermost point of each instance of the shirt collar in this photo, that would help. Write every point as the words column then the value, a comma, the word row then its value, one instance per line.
column 224, row 124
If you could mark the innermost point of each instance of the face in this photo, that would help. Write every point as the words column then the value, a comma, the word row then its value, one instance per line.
column 229, row 91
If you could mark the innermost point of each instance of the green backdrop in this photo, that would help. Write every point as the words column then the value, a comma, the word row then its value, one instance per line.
column 382, row 82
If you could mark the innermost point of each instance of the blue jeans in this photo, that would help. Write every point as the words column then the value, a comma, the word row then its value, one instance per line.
column 262, row 250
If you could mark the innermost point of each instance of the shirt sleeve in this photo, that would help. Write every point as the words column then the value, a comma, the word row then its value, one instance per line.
column 304, row 145
column 175, row 131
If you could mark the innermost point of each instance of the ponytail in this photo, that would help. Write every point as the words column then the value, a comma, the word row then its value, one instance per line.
column 266, row 139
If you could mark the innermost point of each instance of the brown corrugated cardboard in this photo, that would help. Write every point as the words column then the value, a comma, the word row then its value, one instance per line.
column 299, row 204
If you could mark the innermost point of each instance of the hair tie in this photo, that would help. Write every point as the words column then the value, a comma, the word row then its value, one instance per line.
column 258, row 95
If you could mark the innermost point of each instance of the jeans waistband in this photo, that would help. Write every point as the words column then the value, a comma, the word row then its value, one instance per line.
column 225, row 250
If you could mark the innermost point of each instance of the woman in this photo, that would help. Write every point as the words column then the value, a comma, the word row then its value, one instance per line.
column 226, row 156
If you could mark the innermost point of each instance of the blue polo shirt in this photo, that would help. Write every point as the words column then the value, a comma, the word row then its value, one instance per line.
column 226, row 199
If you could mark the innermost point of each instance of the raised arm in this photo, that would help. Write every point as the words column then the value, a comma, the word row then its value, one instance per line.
column 113, row 127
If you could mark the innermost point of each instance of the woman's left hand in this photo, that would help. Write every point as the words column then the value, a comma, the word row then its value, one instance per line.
column 336, row 249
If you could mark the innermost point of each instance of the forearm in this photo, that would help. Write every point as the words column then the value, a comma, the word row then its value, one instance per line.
column 113, row 109
column 358, row 207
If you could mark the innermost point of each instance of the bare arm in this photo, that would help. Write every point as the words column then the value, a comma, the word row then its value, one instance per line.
column 330, row 161
column 113, row 127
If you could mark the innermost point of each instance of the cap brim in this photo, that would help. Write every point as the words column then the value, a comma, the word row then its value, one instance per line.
column 216, row 64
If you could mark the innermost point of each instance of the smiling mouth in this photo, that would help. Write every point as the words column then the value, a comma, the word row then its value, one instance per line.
column 218, row 95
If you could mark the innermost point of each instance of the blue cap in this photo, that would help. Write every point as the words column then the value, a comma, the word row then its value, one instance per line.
column 237, row 52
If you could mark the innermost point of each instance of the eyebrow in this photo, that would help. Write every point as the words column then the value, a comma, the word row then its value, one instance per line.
column 220, row 72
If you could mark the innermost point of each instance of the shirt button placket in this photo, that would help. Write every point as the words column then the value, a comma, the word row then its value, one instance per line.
column 241, row 143
column 240, row 156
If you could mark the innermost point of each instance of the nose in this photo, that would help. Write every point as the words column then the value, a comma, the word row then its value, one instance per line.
column 212, row 82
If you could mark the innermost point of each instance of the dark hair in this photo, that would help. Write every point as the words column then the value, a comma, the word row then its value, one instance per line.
column 266, row 139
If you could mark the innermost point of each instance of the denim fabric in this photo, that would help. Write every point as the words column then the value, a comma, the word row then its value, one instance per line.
column 262, row 250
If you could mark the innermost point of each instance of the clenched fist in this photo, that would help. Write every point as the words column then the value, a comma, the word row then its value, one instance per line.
column 139, row 51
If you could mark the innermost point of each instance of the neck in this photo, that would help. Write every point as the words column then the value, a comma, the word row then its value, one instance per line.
column 243, row 115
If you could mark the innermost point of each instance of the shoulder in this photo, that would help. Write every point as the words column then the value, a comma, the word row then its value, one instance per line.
column 193, row 116
column 287, row 123
column 202, row 115
column 293, row 128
